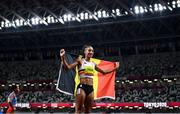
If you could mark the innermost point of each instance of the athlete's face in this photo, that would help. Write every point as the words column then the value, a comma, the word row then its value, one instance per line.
column 89, row 52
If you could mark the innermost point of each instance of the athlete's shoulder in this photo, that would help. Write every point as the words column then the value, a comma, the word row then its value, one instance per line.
column 93, row 63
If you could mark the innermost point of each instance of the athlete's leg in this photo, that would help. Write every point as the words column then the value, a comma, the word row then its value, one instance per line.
column 80, row 98
column 89, row 102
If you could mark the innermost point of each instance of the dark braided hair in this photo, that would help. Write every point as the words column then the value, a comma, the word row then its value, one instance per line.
column 83, row 49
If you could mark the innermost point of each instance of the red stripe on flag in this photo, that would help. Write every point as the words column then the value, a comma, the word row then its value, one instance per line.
column 106, row 82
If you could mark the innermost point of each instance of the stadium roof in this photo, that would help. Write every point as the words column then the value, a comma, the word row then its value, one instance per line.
column 61, row 22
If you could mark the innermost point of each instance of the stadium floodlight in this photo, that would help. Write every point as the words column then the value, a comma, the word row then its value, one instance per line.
column 73, row 18
column 65, row 17
column 169, row 81
column 145, row 9
column 44, row 21
column 118, row 12
column 2, row 85
column 21, row 22
column 78, row 15
column 90, row 16
column 155, row 80
column 126, row 12
column 52, row 20
column 136, row 9
column 160, row 7
column 155, row 7
column 37, row 21
column 103, row 13
column 113, row 11
column 127, row 81
column 82, row 16
column 149, row 81
column 173, row 4
column 6, row 24
column 33, row 21
column 150, row 8
column 32, row 84
column 61, row 20
column 2, row 23
column 95, row 13
column 131, row 82
column 99, row 14
column 44, row 18
column 49, row 19
column 178, row 3
column 26, row 23
column 17, row 22
column 164, row 7
column 25, row 85
column 86, row 15
column 40, row 22
column 141, row 9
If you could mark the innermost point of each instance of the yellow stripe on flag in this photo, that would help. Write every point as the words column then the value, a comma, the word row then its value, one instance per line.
column 95, row 79
column 77, row 81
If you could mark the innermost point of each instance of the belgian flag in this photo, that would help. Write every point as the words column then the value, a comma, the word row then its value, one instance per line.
column 104, row 85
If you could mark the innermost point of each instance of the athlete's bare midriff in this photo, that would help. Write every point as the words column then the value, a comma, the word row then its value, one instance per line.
column 88, row 81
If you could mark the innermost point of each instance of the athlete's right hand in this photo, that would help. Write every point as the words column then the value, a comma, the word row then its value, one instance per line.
column 62, row 52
